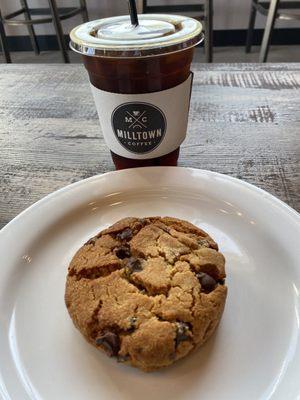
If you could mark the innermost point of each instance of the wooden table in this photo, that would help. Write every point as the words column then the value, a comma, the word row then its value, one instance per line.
column 244, row 122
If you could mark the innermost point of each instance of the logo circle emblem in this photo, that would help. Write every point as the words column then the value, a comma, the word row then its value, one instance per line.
column 139, row 127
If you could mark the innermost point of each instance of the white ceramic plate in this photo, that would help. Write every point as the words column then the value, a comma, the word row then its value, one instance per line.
column 255, row 353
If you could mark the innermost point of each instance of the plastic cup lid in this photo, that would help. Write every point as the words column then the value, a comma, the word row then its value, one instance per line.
column 156, row 34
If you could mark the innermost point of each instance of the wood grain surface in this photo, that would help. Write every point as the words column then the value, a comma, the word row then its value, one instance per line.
column 244, row 122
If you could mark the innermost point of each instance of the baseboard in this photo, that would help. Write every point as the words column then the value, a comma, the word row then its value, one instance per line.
column 232, row 37
column 237, row 37
column 45, row 42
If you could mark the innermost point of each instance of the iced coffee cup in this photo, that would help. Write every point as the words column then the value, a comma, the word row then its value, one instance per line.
column 141, row 82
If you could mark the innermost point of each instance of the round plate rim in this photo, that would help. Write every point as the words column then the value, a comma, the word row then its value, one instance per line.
column 254, row 189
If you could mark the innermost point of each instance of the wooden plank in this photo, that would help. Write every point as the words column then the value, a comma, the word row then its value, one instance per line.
column 244, row 121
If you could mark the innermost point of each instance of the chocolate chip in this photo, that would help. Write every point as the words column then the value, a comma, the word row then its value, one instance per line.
column 125, row 235
column 123, row 252
column 181, row 333
column 110, row 342
column 207, row 283
column 142, row 221
column 134, row 265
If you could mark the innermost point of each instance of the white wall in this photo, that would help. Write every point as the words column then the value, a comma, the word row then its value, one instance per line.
column 228, row 14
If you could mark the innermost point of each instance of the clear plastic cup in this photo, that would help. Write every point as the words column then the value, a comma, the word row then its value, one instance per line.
column 140, row 75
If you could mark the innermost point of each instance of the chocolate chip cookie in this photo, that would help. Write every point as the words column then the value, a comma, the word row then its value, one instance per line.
column 147, row 291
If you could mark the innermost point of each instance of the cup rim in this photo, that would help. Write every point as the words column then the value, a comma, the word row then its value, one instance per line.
column 84, row 39
column 94, row 52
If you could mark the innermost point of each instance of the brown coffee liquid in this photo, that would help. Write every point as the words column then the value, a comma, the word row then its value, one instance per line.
column 140, row 75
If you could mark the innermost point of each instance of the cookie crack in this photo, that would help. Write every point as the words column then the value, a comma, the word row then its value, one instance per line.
column 94, row 323
column 93, row 293
column 162, row 254
column 96, row 272
column 192, row 309
column 143, row 289
column 182, row 229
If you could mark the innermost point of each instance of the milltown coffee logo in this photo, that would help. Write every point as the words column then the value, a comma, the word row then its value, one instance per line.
column 139, row 127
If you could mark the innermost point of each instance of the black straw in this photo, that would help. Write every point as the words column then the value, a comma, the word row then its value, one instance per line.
column 133, row 12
